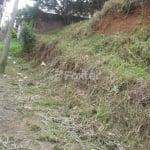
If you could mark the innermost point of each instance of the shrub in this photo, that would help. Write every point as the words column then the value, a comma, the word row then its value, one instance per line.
column 28, row 37
column 14, row 34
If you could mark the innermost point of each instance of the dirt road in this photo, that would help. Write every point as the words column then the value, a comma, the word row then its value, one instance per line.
column 16, row 113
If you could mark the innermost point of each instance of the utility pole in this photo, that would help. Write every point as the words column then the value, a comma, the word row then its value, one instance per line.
column 4, row 56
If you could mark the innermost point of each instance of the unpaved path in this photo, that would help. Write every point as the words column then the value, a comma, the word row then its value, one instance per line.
column 32, row 113
column 16, row 113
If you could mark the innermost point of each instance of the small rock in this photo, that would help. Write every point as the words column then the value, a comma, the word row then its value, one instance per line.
column 28, row 107
column 9, row 57
column 25, row 77
column 5, row 76
column 14, row 62
column 20, row 75
column 20, row 80
column 43, row 64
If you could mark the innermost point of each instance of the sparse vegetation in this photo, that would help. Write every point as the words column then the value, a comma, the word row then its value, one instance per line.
column 47, row 139
column 112, row 108
column 33, row 127
column 30, row 90
column 107, row 111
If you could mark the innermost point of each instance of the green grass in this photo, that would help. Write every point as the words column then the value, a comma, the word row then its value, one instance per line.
column 105, row 114
column 102, row 114
column 33, row 127
column 129, row 54
column 1, row 46
column 46, row 103
column 31, row 90
column 93, row 115
column 45, row 138
column 15, row 46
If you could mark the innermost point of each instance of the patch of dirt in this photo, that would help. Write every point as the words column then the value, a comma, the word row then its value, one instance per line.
column 44, row 53
column 15, row 110
column 69, row 65
column 140, row 92
column 110, row 24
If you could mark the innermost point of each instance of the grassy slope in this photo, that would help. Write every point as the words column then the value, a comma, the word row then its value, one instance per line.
column 107, row 113
column 127, row 54
column 111, row 113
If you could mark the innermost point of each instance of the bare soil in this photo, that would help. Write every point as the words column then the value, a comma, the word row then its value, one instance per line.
column 124, row 22
column 16, row 113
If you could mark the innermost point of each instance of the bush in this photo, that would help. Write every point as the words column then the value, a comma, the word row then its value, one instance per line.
column 14, row 34
column 28, row 37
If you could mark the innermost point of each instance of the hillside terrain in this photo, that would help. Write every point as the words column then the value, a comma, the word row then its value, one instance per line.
column 124, row 22
column 84, row 87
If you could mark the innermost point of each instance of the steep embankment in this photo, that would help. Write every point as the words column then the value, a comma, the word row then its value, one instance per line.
column 100, row 83
column 125, row 22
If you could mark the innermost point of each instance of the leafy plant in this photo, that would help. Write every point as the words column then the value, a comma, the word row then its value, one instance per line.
column 28, row 37
column 116, row 89
column 14, row 33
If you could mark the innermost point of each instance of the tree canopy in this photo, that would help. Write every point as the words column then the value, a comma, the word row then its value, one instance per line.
column 67, row 8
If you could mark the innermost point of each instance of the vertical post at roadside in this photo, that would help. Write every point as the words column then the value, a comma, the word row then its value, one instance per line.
column 4, row 56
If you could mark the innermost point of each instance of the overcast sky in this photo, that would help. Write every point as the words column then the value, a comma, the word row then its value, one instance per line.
column 9, row 8
column 22, row 4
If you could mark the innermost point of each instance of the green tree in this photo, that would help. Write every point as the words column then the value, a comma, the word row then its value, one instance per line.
column 27, row 14
column 68, row 8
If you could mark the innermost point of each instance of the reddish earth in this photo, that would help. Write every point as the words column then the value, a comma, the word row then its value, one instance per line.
column 110, row 24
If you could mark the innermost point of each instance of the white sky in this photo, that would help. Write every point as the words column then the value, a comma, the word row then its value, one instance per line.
column 9, row 8
column 22, row 4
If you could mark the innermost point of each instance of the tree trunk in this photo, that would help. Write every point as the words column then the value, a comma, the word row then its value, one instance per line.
column 8, row 38
column 1, row 16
